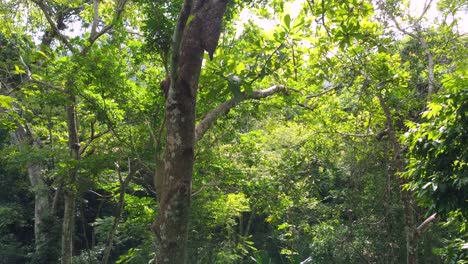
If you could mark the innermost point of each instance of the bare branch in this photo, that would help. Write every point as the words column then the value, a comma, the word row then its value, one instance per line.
column 310, row 96
column 212, row 116
column 118, row 10
column 426, row 224
column 402, row 30
column 224, row 108
column 100, row 195
column 118, row 214
column 92, row 138
column 323, row 92
column 259, row 94
column 51, row 86
column 425, row 9
column 354, row 134
column 264, row 67
column 418, row 36
column 430, row 63
column 33, row 80
column 48, row 14
column 25, row 65
column 207, row 185
column 95, row 18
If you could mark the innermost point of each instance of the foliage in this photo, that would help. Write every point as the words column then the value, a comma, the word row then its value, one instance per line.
column 307, row 175
column 438, row 162
column 437, row 166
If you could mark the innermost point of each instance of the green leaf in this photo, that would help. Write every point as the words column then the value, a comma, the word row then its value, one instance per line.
column 283, row 226
column 43, row 54
column 18, row 70
column 189, row 19
column 287, row 21
column 298, row 22
column 6, row 101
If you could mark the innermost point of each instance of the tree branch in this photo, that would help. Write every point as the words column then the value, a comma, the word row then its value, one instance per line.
column 425, row 9
column 323, row 92
column 118, row 214
column 48, row 14
column 402, row 30
column 92, row 138
column 95, row 18
column 224, row 108
column 118, row 10
column 426, row 224
column 430, row 62
column 418, row 36
column 354, row 134
column 51, row 86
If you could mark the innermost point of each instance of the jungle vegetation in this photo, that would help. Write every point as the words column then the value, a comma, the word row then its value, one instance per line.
column 242, row 131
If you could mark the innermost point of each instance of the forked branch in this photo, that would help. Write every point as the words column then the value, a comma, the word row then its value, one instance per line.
column 118, row 10
column 48, row 13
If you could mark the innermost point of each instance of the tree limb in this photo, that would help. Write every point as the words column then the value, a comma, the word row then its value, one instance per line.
column 418, row 36
column 426, row 224
column 118, row 214
column 95, row 17
column 224, row 108
column 92, row 138
column 430, row 62
column 354, row 134
column 323, row 92
column 47, row 84
column 118, row 10
column 48, row 14
column 425, row 9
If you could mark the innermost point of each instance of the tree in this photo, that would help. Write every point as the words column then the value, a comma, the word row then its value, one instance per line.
column 197, row 29
column 69, row 185
column 437, row 154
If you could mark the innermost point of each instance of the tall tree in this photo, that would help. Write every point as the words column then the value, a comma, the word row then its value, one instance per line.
column 197, row 30
column 56, row 16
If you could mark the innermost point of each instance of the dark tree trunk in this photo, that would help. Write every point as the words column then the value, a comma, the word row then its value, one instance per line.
column 197, row 30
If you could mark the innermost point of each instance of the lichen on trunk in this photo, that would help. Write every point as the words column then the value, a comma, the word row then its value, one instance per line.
column 190, row 40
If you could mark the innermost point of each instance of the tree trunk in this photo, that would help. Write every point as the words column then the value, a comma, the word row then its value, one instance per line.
column 69, row 189
column 118, row 214
column 407, row 200
column 44, row 219
column 44, row 215
column 70, row 186
column 68, row 226
column 197, row 30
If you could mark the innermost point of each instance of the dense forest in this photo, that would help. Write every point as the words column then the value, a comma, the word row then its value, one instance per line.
column 242, row 131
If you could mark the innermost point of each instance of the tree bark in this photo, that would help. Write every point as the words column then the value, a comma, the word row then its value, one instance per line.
column 420, row 38
column 70, row 186
column 197, row 29
column 68, row 226
column 44, row 215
